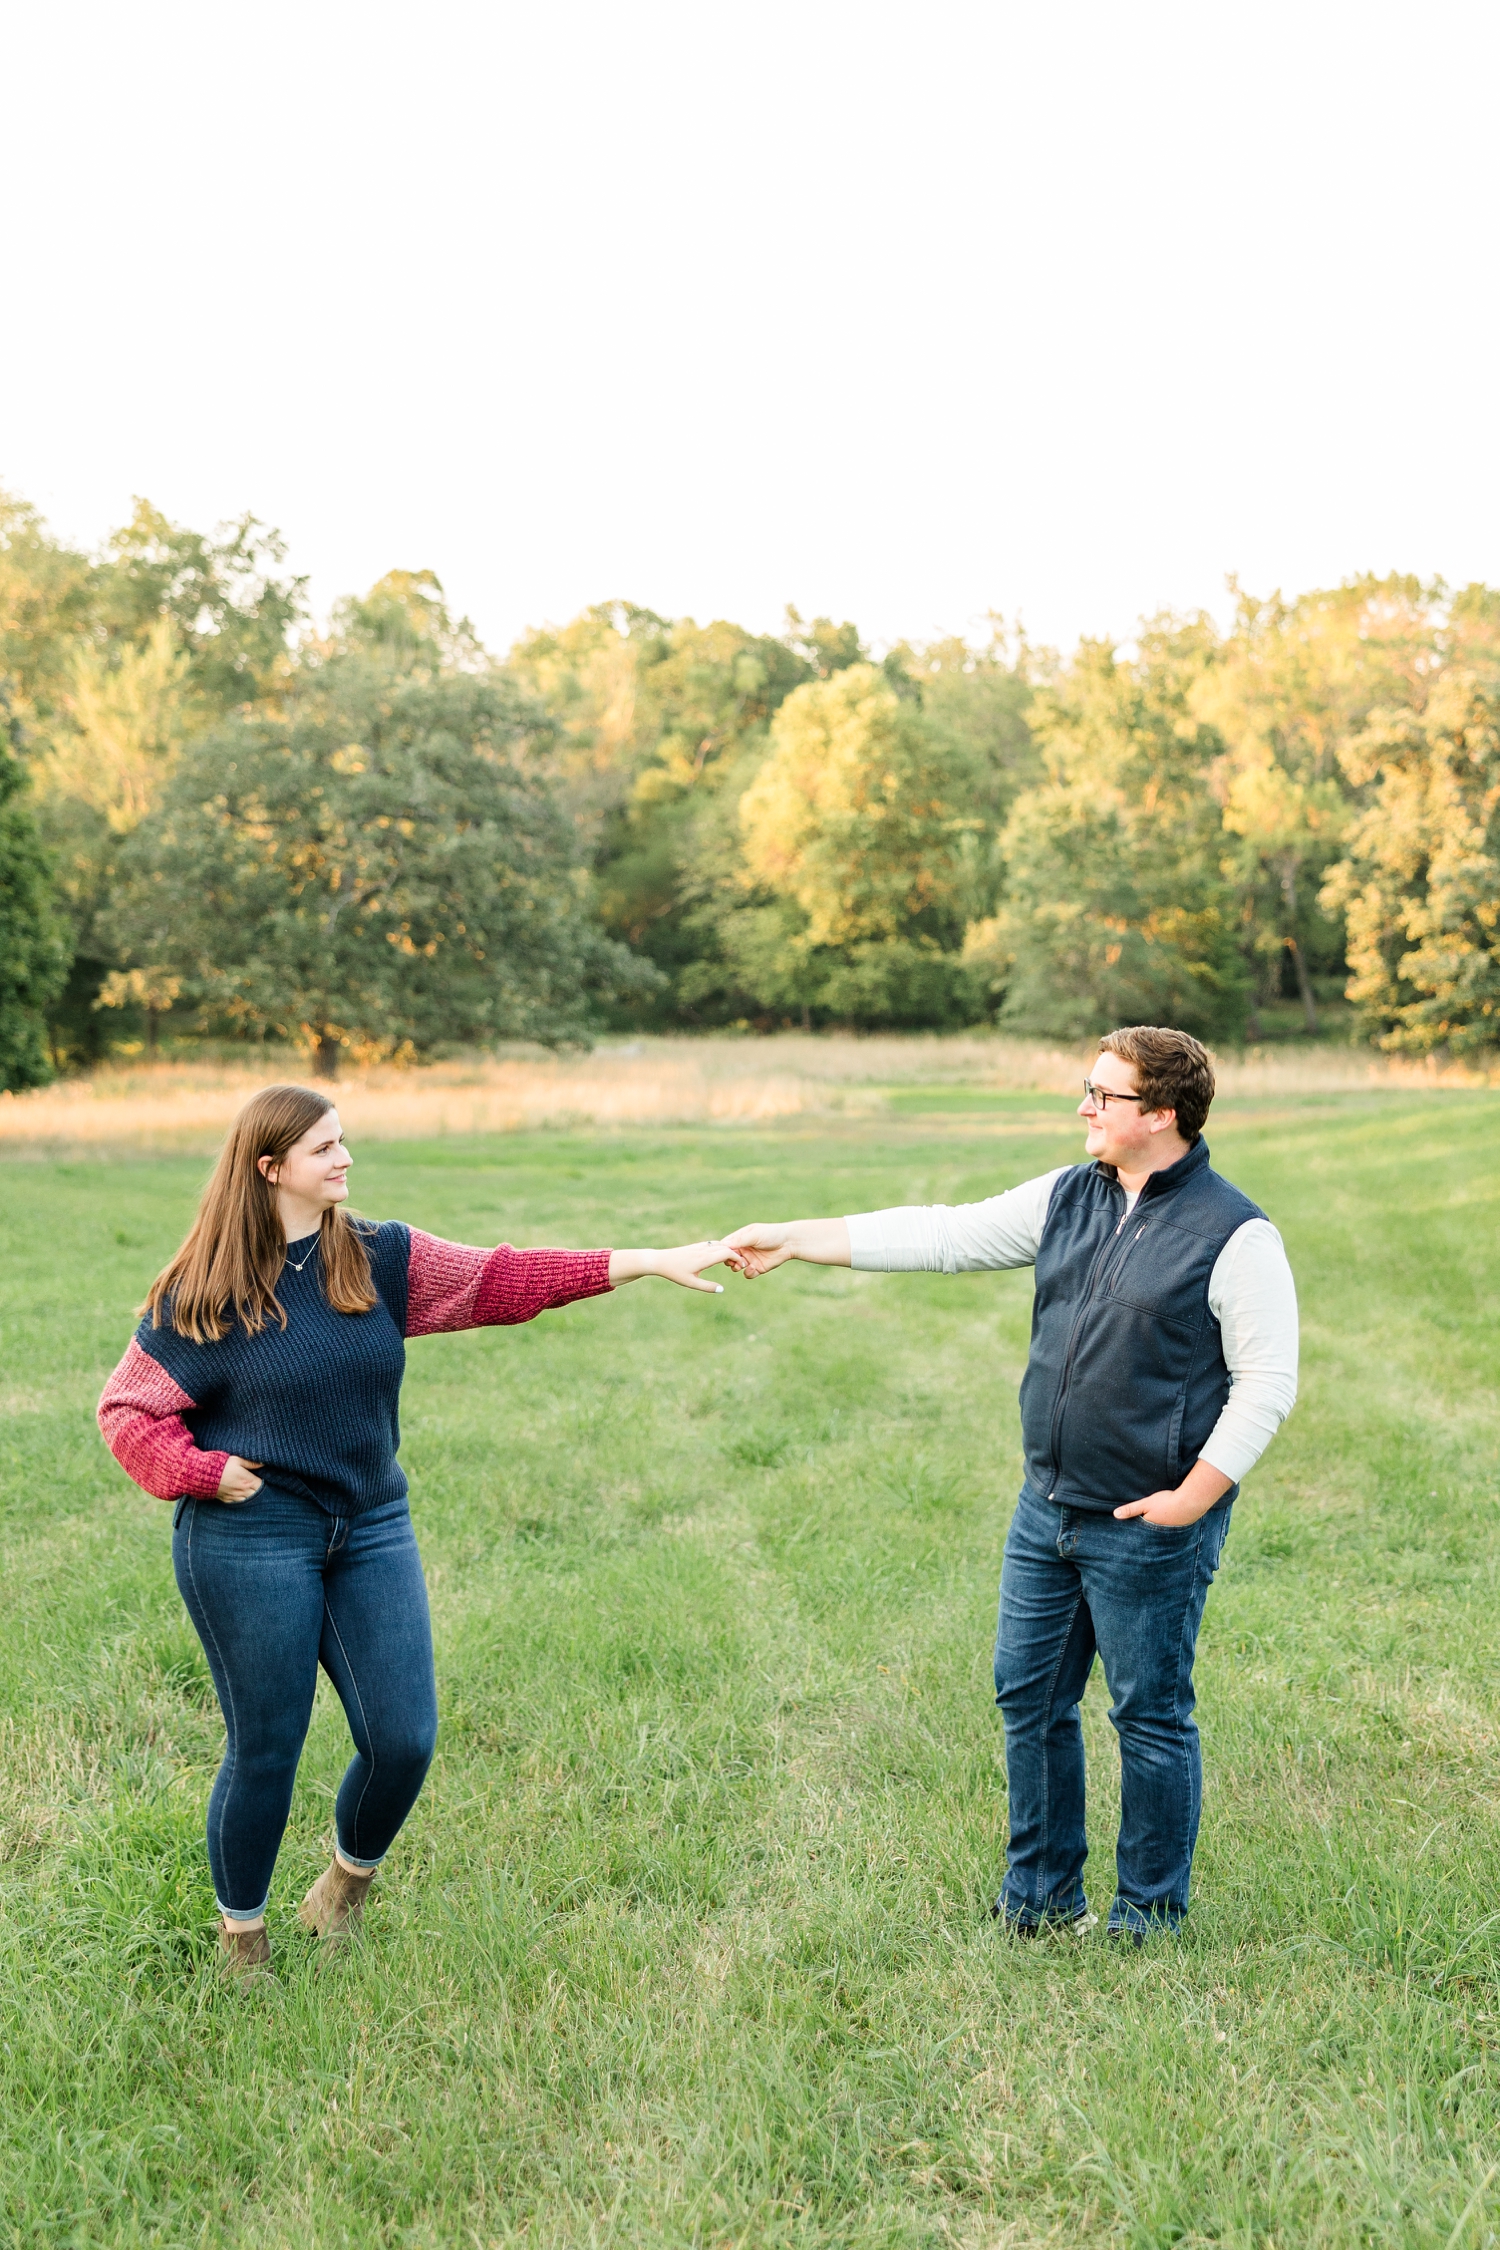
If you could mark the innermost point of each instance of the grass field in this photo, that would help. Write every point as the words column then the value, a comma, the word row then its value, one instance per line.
column 685, row 1943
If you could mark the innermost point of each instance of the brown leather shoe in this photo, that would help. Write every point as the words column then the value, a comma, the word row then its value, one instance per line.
column 245, row 1956
column 336, row 1902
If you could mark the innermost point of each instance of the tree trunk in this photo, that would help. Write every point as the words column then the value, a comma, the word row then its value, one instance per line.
column 1304, row 981
column 1304, row 988
column 326, row 1057
column 153, row 1024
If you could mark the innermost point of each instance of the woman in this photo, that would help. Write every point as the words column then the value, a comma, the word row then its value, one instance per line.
column 260, row 1394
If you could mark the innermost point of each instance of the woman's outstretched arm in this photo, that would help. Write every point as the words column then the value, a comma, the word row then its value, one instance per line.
column 818, row 1242
column 451, row 1286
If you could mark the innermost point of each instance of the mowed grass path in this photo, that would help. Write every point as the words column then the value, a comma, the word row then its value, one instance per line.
column 686, row 1941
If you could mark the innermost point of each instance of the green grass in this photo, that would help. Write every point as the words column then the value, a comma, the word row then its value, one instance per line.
column 685, row 1942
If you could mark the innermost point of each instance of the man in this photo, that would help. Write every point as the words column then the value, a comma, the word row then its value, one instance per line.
column 1163, row 1359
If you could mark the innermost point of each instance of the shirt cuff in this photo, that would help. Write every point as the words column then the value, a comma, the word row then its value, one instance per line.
column 204, row 1475
column 1232, row 1453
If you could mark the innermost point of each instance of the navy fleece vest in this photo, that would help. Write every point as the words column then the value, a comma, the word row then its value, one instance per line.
column 1126, row 1375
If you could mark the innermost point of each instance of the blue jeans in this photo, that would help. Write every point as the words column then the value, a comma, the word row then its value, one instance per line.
column 1073, row 1583
column 275, row 1586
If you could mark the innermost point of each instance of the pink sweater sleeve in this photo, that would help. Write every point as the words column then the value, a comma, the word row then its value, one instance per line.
column 141, row 1417
column 449, row 1286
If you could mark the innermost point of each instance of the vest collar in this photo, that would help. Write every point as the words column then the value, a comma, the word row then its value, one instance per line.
column 1173, row 1177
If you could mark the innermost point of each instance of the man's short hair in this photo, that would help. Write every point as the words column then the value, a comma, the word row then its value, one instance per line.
column 1171, row 1071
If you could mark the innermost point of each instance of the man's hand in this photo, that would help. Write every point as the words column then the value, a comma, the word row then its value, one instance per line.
column 760, row 1249
column 239, row 1481
column 1199, row 1489
column 683, row 1265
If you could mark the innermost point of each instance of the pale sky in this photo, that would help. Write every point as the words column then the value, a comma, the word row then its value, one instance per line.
column 896, row 313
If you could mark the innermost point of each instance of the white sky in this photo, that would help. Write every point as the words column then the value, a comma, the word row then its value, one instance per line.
column 897, row 313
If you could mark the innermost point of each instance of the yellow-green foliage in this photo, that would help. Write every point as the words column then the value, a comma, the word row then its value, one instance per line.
column 857, row 812
column 1421, row 880
column 1195, row 827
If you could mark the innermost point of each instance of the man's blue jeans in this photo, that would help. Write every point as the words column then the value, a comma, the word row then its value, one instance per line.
column 276, row 1587
column 1073, row 1583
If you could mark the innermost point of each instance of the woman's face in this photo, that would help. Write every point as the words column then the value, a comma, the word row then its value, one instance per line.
column 315, row 1170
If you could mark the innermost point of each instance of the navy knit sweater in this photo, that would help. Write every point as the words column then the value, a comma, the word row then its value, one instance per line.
column 316, row 1403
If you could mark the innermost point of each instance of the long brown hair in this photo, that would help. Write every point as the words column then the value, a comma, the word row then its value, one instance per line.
column 229, row 1266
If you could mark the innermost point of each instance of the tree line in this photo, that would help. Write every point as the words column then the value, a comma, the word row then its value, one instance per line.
column 379, row 839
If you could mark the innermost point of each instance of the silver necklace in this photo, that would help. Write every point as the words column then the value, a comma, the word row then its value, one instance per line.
column 297, row 1264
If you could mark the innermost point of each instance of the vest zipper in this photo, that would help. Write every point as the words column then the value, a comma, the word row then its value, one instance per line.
column 1125, row 1253
column 1073, row 1334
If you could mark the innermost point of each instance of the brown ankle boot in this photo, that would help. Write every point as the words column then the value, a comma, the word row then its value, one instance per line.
column 245, row 1956
column 336, row 1901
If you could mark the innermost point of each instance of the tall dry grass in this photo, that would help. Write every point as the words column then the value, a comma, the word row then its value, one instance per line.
column 640, row 1082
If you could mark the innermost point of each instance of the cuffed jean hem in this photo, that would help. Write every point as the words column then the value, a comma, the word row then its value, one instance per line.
column 243, row 1913
column 352, row 1859
column 1157, row 1921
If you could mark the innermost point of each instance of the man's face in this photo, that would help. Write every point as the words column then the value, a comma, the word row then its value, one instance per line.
column 1121, row 1132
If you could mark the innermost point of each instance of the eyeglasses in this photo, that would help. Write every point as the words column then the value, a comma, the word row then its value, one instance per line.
column 1102, row 1096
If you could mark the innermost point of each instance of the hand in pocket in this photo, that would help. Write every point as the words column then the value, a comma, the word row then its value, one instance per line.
column 239, row 1481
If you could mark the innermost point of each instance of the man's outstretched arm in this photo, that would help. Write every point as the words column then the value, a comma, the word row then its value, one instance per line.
column 1003, row 1231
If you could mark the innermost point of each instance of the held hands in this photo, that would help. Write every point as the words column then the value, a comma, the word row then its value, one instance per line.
column 753, row 1250
column 239, row 1481
column 760, row 1249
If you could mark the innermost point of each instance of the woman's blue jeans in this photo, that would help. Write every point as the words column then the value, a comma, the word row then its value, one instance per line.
column 276, row 1587
column 1075, row 1583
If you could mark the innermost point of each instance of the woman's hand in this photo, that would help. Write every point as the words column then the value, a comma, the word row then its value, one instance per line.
column 239, row 1481
column 683, row 1265
column 760, row 1249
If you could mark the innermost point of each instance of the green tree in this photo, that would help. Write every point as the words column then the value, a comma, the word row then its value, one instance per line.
column 659, row 727
column 110, row 664
column 124, row 715
column 1290, row 686
column 853, row 880
column 1420, row 880
column 33, row 937
column 46, row 596
column 586, row 675
column 1116, row 906
column 405, row 618
column 231, row 606
column 370, row 865
column 856, row 813
column 979, row 699
column 706, row 702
